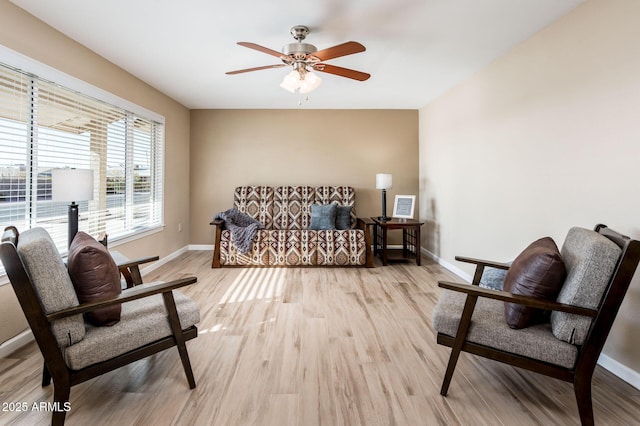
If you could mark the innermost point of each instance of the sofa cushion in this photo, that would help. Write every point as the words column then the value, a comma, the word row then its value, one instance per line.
column 293, row 247
column 257, row 202
column 343, row 217
column 95, row 276
column 538, row 272
column 49, row 276
column 323, row 216
column 257, row 256
column 341, row 247
column 292, row 207
column 493, row 278
column 590, row 259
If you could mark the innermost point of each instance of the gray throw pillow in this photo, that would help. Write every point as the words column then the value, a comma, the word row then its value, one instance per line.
column 343, row 217
column 323, row 216
column 493, row 278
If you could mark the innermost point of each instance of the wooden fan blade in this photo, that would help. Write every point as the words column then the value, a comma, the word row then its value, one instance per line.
column 261, row 49
column 343, row 49
column 266, row 67
column 342, row 72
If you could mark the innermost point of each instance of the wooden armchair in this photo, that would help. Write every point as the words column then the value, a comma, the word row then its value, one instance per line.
column 154, row 317
column 470, row 318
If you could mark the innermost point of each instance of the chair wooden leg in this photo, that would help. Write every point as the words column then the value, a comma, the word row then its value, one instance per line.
column 186, row 365
column 451, row 366
column 174, row 321
column 461, row 334
column 61, row 393
column 46, row 375
column 582, row 390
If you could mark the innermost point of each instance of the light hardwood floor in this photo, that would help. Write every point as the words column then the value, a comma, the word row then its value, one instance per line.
column 313, row 346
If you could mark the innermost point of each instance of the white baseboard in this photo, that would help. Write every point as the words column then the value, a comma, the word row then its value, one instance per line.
column 620, row 370
column 459, row 272
column 207, row 247
column 163, row 260
column 15, row 343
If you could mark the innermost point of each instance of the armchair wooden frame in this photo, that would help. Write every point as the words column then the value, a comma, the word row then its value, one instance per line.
column 582, row 372
column 55, row 367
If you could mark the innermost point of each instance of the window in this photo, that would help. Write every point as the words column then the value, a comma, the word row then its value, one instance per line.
column 44, row 126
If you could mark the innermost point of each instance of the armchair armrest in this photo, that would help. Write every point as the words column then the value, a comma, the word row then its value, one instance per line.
column 514, row 298
column 364, row 221
column 217, row 222
column 130, row 269
column 493, row 264
column 480, row 265
column 365, row 224
column 123, row 262
column 126, row 296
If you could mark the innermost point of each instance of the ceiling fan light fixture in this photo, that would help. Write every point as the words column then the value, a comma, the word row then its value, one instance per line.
column 291, row 81
column 301, row 79
column 310, row 83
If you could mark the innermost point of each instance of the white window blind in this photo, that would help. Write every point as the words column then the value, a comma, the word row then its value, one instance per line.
column 44, row 126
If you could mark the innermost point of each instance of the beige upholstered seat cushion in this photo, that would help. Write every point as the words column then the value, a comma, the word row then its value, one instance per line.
column 49, row 276
column 488, row 327
column 142, row 321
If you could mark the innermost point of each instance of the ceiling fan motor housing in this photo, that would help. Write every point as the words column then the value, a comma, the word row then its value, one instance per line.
column 298, row 50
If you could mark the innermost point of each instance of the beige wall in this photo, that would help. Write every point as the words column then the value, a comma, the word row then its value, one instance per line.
column 231, row 148
column 25, row 34
column 545, row 138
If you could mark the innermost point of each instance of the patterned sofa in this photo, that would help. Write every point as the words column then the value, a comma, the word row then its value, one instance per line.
column 286, row 239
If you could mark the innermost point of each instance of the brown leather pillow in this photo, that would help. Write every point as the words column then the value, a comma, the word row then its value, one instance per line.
column 95, row 276
column 538, row 272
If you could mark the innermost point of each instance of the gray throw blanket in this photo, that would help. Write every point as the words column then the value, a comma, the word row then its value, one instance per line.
column 242, row 226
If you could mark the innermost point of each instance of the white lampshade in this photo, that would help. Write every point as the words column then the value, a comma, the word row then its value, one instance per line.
column 72, row 184
column 384, row 181
column 291, row 81
column 311, row 82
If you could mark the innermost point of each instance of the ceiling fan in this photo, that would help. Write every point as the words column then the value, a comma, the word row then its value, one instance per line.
column 304, row 58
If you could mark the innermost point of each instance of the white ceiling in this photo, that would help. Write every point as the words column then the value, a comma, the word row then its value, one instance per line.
column 416, row 49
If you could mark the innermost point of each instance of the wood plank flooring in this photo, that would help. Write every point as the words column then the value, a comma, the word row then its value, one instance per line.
column 313, row 346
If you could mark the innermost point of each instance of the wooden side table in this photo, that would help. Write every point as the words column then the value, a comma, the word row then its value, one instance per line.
column 410, row 240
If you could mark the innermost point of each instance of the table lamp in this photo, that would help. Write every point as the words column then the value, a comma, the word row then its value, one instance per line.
column 384, row 181
column 72, row 185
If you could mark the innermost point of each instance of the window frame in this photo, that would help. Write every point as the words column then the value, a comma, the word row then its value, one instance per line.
column 45, row 72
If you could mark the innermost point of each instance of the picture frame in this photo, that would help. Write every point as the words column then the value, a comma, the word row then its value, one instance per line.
column 403, row 206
